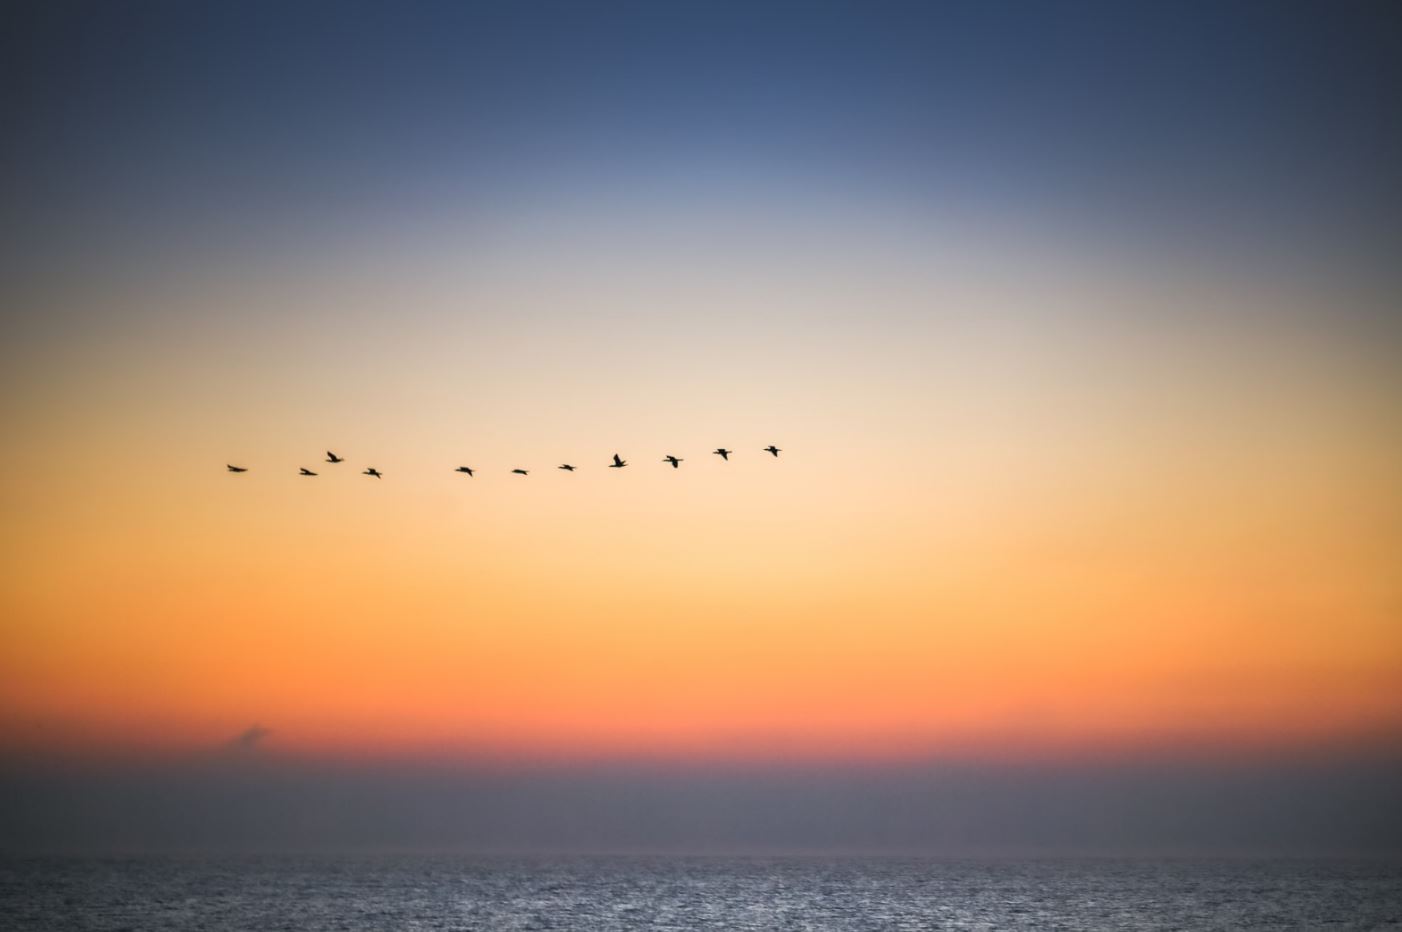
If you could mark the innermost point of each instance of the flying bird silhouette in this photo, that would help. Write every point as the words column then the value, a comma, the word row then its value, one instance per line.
column 372, row 471
column 671, row 459
column 520, row 472
column 566, row 467
column 723, row 453
column 466, row 469
column 332, row 457
column 617, row 462
column 772, row 449
column 235, row 468
column 307, row 472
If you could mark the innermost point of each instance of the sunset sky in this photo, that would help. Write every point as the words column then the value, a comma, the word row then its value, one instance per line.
column 1077, row 325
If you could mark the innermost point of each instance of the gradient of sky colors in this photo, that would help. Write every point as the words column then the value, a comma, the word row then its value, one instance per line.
column 1077, row 324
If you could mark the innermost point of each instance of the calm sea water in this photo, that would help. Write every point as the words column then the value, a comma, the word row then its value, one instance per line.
column 442, row 893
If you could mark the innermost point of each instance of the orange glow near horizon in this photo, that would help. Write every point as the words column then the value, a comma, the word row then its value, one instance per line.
column 1003, row 527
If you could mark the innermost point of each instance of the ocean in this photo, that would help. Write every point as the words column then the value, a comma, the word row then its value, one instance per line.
column 422, row 893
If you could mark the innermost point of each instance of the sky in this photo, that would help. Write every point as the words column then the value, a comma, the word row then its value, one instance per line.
column 1076, row 324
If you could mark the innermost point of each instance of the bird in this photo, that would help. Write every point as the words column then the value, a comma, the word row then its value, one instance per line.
column 617, row 463
column 307, row 472
column 332, row 457
column 671, row 459
column 772, row 449
column 235, row 468
column 372, row 471
column 566, row 467
column 520, row 472
column 723, row 453
column 466, row 469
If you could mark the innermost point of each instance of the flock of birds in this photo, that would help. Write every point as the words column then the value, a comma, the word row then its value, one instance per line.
column 618, row 463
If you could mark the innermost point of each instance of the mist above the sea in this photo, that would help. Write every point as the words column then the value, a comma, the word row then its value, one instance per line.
column 243, row 798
